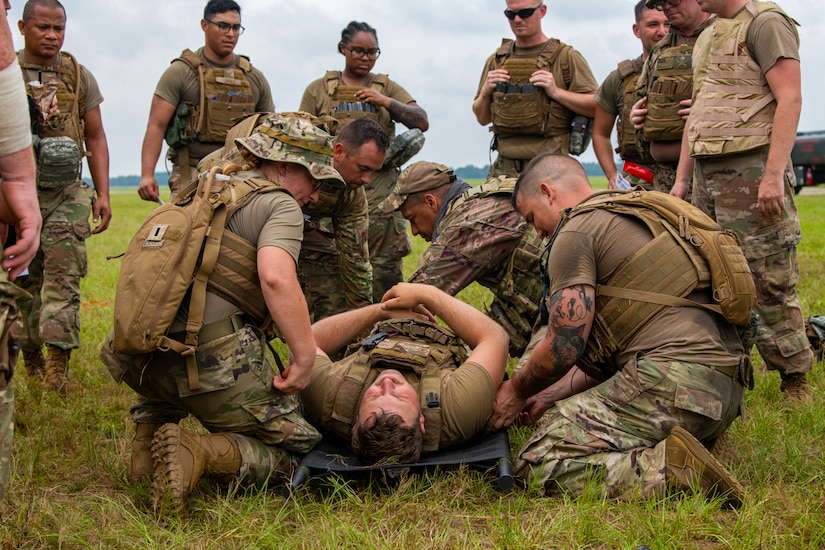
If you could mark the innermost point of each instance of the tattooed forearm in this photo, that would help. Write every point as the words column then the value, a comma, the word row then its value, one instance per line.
column 411, row 116
column 571, row 313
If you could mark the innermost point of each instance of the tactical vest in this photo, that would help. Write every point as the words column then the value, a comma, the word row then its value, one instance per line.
column 421, row 351
column 671, row 81
column 734, row 105
column 631, row 298
column 68, row 122
column 521, row 109
column 628, row 148
column 345, row 108
column 516, row 299
column 225, row 98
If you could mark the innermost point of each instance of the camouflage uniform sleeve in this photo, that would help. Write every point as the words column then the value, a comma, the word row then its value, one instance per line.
column 473, row 243
column 350, row 226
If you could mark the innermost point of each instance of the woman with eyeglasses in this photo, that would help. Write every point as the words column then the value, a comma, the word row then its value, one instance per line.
column 358, row 92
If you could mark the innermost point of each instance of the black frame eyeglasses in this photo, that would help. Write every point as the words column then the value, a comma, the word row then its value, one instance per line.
column 523, row 13
column 226, row 28
column 359, row 53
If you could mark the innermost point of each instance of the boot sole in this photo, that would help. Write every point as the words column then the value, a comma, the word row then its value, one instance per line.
column 725, row 484
column 168, row 472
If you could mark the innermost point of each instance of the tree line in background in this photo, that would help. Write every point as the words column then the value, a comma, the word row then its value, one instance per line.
column 469, row 172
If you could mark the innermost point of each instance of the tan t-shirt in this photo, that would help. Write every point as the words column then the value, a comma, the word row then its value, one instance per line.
column 466, row 397
column 269, row 219
column 588, row 250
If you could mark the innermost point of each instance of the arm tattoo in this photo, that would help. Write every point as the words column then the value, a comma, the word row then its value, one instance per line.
column 569, row 311
column 411, row 116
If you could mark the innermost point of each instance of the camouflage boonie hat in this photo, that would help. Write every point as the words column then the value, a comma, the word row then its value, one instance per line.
column 292, row 139
column 418, row 176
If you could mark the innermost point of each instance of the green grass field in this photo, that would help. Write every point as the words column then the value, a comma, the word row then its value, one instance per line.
column 68, row 487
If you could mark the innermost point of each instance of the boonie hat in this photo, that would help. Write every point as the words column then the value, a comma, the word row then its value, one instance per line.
column 417, row 177
column 292, row 139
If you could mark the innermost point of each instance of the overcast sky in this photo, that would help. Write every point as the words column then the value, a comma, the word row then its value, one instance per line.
column 434, row 48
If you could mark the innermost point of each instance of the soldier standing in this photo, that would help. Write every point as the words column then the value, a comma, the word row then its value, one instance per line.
column 358, row 92
column 665, row 87
column 66, row 201
column 737, row 148
column 530, row 89
column 199, row 98
column 616, row 97
column 18, row 210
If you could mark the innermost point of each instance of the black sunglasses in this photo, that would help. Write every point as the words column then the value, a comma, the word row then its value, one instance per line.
column 524, row 14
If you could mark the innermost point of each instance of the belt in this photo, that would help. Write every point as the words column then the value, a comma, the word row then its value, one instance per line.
column 215, row 330
column 727, row 371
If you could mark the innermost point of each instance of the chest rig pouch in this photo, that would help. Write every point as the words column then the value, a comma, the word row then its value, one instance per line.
column 346, row 108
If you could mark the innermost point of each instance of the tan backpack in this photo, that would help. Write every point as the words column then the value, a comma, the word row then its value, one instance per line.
column 175, row 250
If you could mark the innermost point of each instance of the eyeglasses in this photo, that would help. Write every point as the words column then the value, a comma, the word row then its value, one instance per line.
column 317, row 185
column 358, row 52
column 661, row 4
column 225, row 28
column 524, row 14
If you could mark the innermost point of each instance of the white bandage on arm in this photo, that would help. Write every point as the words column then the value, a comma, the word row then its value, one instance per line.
column 15, row 124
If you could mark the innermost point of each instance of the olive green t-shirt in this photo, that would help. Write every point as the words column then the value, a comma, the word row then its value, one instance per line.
column 466, row 397
column 592, row 245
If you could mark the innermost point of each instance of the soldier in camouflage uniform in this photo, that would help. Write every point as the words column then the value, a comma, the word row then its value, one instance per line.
column 740, row 143
column 334, row 267
column 192, row 125
column 676, row 381
column 255, row 427
column 476, row 235
column 663, row 89
column 66, row 201
column 358, row 92
column 616, row 96
column 18, row 210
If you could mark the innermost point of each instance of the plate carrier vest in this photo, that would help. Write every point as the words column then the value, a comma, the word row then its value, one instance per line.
column 412, row 347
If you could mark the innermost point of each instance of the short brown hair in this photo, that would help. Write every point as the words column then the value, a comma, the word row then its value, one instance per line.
column 387, row 437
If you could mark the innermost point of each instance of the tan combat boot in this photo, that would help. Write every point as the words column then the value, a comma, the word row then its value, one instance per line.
column 35, row 363
column 57, row 370
column 181, row 457
column 691, row 467
column 141, row 466
column 795, row 387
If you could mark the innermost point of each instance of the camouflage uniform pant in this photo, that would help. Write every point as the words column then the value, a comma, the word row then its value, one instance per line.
column 52, row 316
column 176, row 181
column 236, row 396
column 11, row 330
column 320, row 277
column 614, row 433
column 389, row 241
column 726, row 189
column 503, row 166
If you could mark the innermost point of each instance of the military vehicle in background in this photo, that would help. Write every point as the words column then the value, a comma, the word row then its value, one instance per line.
column 808, row 156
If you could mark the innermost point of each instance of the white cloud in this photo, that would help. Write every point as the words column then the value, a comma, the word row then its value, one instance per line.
column 434, row 48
